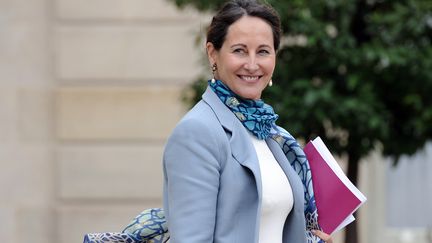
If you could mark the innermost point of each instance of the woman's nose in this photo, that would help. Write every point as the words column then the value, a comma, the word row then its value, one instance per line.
column 251, row 65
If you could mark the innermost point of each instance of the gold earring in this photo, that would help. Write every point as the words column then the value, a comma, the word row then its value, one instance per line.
column 270, row 83
column 214, row 68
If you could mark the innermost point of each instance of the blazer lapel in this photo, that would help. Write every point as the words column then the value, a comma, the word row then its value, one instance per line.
column 241, row 147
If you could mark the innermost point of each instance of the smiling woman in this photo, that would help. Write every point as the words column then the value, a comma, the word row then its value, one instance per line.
column 230, row 173
column 247, row 58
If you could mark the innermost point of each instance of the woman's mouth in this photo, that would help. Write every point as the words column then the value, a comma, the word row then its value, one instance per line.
column 249, row 78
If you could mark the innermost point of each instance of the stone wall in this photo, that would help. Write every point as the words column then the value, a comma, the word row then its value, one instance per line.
column 120, row 67
column 89, row 92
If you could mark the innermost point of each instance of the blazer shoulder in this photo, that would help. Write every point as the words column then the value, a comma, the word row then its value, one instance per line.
column 201, row 118
column 201, row 126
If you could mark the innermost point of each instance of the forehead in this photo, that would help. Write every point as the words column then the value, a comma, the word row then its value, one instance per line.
column 250, row 29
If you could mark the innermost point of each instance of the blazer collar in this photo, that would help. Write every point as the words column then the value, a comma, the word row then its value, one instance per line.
column 223, row 113
column 242, row 148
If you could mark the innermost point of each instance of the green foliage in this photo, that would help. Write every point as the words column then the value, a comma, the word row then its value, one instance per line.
column 356, row 73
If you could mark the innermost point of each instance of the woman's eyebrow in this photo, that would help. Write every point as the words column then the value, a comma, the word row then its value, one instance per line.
column 239, row 44
column 264, row 45
column 245, row 46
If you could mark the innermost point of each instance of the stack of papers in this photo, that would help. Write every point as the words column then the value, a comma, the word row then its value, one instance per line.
column 336, row 196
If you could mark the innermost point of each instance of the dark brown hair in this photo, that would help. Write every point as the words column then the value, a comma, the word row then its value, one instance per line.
column 233, row 11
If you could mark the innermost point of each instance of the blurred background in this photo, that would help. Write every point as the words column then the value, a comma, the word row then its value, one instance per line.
column 90, row 91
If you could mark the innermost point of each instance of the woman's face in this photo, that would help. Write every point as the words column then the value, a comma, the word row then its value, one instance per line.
column 247, row 58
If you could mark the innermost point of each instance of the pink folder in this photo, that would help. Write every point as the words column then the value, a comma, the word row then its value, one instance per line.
column 336, row 197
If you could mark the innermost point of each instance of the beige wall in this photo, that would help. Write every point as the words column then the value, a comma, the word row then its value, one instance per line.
column 120, row 67
column 89, row 91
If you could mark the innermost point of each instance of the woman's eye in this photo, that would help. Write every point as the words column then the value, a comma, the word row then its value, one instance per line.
column 264, row 52
column 239, row 50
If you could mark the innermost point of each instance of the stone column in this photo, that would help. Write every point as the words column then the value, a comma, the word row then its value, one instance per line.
column 26, row 121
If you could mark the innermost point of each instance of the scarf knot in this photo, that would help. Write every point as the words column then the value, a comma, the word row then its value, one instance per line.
column 255, row 115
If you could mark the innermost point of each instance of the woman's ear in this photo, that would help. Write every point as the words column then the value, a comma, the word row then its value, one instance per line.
column 211, row 53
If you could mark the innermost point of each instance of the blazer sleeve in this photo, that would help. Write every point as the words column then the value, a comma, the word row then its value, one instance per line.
column 191, row 170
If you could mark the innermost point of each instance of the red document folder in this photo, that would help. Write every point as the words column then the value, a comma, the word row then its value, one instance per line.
column 335, row 195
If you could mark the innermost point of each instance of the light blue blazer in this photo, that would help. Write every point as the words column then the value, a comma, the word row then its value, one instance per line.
column 212, row 182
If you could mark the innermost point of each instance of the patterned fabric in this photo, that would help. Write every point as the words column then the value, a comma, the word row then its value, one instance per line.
column 149, row 226
column 300, row 164
column 259, row 118
column 256, row 116
column 109, row 237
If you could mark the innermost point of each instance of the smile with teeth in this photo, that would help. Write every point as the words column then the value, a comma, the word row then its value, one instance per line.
column 249, row 78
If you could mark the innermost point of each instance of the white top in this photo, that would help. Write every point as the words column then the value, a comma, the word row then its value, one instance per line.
column 277, row 197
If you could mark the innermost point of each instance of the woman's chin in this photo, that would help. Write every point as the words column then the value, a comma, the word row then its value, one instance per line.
column 250, row 95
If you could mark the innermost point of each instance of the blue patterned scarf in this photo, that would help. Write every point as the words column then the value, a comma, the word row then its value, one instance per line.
column 259, row 118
